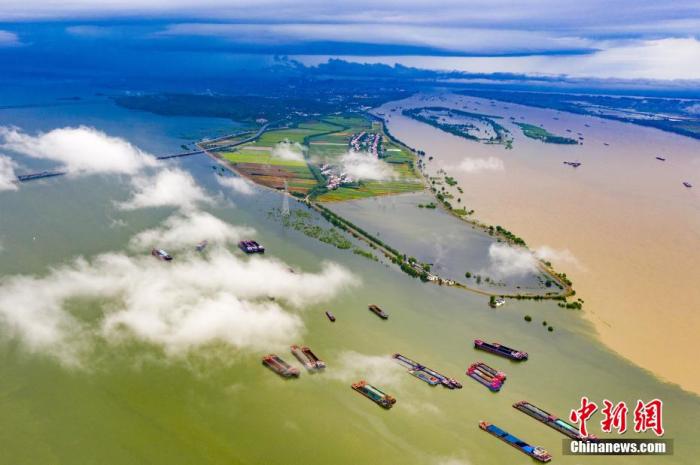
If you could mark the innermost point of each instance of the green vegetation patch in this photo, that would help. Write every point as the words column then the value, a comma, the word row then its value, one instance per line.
column 264, row 157
column 302, row 221
column 272, row 138
column 468, row 128
column 539, row 133
column 371, row 189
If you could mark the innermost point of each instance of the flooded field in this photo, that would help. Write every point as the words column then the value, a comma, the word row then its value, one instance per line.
column 452, row 247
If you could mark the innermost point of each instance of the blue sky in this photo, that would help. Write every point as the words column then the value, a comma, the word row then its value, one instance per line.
column 593, row 38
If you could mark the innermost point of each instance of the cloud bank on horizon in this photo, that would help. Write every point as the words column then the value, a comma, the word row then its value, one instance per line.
column 651, row 40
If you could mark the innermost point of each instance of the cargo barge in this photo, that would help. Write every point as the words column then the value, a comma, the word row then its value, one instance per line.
column 279, row 366
column 574, row 164
column 423, row 376
column 251, row 247
column 378, row 311
column 484, row 374
column 552, row 421
column 161, row 254
column 412, row 366
column 374, row 394
column 498, row 349
column 535, row 452
column 307, row 358
column 40, row 175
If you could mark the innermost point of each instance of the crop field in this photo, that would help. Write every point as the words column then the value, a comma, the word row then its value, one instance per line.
column 271, row 138
column 395, row 154
column 299, row 178
column 371, row 189
column 321, row 153
column 258, row 164
column 260, row 157
column 326, row 140
column 297, row 134
column 227, row 140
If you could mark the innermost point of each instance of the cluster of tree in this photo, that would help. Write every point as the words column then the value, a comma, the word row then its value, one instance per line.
column 506, row 234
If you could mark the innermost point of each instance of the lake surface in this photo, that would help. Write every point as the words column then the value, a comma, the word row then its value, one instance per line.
column 134, row 403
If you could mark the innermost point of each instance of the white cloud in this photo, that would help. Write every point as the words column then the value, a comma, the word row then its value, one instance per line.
column 669, row 58
column 89, row 30
column 86, row 150
column 287, row 150
column 193, row 302
column 558, row 256
column 8, row 177
column 621, row 45
column 479, row 165
column 453, row 461
column 238, row 184
column 361, row 165
column 8, row 39
column 444, row 37
column 167, row 188
column 380, row 370
column 664, row 59
column 78, row 149
column 184, row 231
column 507, row 261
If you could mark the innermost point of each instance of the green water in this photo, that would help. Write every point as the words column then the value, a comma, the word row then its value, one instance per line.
column 133, row 405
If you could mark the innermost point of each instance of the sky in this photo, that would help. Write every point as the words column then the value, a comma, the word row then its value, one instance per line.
column 603, row 39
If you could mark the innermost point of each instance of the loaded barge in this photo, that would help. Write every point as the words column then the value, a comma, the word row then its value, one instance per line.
column 40, row 175
column 484, row 374
column 251, row 247
column 423, row 376
column 535, row 452
column 161, row 254
column 498, row 349
column 279, row 366
column 308, row 358
column 553, row 422
column 379, row 312
column 415, row 369
column 374, row 394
